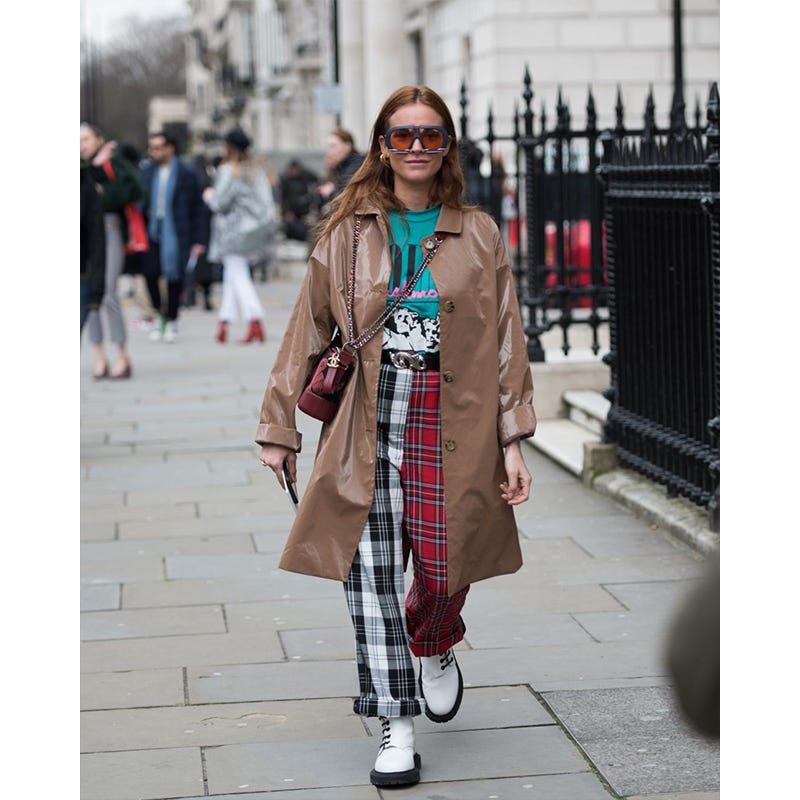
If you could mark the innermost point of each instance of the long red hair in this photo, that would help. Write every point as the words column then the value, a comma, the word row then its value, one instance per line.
column 373, row 183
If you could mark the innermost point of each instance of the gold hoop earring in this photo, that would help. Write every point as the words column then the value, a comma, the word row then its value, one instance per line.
column 385, row 159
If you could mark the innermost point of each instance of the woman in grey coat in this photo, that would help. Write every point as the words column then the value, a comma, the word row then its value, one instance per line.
column 241, row 229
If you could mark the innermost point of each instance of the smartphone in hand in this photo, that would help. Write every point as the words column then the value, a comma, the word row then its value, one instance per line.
column 289, row 487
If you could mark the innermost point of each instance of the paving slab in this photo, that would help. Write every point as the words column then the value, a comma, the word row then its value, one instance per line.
column 610, row 626
column 132, row 689
column 293, row 680
column 274, row 585
column 577, row 786
column 536, row 526
column 121, row 513
column 141, row 568
column 446, row 756
column 493, row 630
column 191, row 527
column 141, row 774
column 170, row 546
column 638, row 739
column 182, row 494
column 179, row 651
column 319, row 644
column 622, row 543
column 215, row 725
column 677, row 796
column 505, row 600
column 655, row 595
column 293, row 614
column 483, row 708
column 634, row 569
column 135, row 623
column 218, row 566
column 100, row 597
column 540, row 667
column 353, row 793
column 97, row 531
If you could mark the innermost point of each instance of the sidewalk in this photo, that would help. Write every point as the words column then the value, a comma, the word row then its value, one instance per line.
column 208, row 672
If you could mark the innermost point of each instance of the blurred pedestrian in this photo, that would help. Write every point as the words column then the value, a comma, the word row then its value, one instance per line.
column 242, row 225
column 136, row 262
column 204, row 273
column 342, row 161
column 265, row 261
column 423, row 453
column 297, row 184
column 93, row 246
column 177, row 227
column 120, row 184
column 693, row 652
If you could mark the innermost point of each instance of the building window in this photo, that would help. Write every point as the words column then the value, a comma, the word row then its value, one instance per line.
column 466, row 59
column 417, row 57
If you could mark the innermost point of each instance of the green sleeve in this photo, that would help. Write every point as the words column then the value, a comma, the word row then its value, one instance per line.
column 127, row 186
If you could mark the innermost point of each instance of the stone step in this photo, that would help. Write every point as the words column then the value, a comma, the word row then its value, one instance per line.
column 562, row 441
column 587, row 408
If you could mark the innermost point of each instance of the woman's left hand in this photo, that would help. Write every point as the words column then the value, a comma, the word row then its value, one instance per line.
column 518, row 488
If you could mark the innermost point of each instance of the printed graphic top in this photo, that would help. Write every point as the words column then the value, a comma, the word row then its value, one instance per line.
column 415, row 324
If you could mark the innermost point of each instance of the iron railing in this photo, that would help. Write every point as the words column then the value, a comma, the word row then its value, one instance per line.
column 620, row 227
column 662, row 226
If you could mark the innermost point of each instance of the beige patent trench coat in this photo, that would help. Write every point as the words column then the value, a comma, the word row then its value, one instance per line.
column 486, row 396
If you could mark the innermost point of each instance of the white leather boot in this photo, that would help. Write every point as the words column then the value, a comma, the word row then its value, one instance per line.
column 441, row 685
column 397, row 763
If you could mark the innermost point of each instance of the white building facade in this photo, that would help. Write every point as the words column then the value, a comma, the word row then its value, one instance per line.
column 280, row 58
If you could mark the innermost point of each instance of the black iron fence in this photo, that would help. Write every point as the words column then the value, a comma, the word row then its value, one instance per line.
column 619, row 227
column 662, row 225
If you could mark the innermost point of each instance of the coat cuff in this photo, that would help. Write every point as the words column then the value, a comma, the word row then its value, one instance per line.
column 517, row 423
column 267, row 433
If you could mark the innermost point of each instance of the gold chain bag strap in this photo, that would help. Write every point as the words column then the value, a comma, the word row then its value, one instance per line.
column 323, row 392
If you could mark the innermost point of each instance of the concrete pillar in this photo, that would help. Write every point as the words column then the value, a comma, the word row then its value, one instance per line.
column 373, row 59
column 385, row 50
column 351, row 68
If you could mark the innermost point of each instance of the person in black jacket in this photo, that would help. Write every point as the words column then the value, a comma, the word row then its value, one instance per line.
column 342, row 160
column 177, row 227
column 93, row 247
column 120, row 184
column 297, row 184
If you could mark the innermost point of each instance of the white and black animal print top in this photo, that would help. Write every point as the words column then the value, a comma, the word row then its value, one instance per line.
column 415, row 324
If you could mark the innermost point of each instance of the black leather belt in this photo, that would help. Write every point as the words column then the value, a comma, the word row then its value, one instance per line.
column 408, row 360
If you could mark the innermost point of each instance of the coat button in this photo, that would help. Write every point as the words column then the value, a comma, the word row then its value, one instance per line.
column 450, row 445
column 449, row 306
column 448, row 376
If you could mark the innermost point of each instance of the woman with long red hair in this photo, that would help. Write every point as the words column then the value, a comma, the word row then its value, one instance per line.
column 423, row 455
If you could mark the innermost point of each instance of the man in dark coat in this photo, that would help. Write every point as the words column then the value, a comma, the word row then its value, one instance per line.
column 177, row 227
column 297, row 195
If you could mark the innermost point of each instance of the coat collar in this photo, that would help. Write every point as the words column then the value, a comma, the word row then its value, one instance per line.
column 450, row 219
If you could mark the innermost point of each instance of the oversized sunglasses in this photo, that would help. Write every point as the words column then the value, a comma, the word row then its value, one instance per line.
column 400, row 139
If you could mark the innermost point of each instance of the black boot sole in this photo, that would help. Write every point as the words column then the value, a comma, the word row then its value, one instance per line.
column 454, row 710
column 407, row 778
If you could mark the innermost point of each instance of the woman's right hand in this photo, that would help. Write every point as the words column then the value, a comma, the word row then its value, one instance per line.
column 273, row 456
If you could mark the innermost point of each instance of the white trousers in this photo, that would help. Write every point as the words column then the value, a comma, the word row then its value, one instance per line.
column 239, row 296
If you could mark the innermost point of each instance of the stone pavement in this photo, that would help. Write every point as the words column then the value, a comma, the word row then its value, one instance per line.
column 208, row 672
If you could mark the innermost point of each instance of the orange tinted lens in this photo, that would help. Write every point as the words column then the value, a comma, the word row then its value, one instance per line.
column 401, row 139
column 431, row 138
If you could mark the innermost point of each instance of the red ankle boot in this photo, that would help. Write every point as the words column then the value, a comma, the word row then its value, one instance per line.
column 255, row 331
column 222, row 332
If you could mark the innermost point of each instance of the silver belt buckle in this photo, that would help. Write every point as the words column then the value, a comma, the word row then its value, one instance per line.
column 414, row 361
